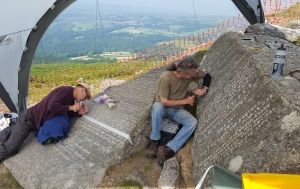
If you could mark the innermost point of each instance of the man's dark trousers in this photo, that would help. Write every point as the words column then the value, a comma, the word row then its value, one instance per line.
column 12, row 137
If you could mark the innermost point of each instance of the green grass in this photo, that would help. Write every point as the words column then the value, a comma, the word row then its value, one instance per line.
column 45, row 77
column 81, row 26
column 8, row 181
column 129, row 184
column 175, row 27
column 149, row 167
column 144, row 31
column 200, row 54
column 293, row 11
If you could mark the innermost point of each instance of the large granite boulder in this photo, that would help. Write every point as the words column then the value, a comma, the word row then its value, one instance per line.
column 295, row 24
column 81, row 160
column 289, row 34
column 265, row 29
column 246, row 113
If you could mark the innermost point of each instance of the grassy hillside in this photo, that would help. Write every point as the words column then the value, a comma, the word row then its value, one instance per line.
column 45, row 77
column 292, row 12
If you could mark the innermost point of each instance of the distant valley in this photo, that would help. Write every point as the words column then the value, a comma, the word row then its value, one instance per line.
column 75, row 34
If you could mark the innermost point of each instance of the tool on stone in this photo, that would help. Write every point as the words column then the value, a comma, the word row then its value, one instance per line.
column 204, row 84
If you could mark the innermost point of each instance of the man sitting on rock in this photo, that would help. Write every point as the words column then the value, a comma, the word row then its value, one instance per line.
column 62, row 100
column 170, row 99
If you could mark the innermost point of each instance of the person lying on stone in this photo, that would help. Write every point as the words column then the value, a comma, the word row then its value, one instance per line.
column 61, row 101
column 169, row 101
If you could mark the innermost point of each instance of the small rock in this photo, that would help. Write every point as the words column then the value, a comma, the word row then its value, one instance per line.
column 291, row 122
column 110, row 83
column 235, row 164
column 169, row 175
column 260, row 145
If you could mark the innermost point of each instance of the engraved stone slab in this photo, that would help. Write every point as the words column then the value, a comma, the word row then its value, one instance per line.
column 81, row 160
column 246, row 113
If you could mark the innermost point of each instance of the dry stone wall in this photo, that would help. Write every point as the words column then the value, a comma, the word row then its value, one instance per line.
column 247, row 114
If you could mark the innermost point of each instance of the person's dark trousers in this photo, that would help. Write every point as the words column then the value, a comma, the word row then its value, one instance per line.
column 12, row 137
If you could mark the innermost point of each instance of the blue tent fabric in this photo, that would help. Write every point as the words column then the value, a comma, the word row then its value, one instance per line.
column 54, row 128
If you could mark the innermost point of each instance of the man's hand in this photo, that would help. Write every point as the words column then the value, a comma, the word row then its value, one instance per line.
column 190, row 100
column 201, row 91
column 83, row 110
column 76, row 107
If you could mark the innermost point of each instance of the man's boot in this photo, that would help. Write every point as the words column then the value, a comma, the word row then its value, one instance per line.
column 164, row 153
column 151, row 149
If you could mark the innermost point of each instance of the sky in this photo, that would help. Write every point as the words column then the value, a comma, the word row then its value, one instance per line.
column 161, row 7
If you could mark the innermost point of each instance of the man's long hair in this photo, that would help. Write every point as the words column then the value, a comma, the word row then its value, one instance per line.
column 184, row 65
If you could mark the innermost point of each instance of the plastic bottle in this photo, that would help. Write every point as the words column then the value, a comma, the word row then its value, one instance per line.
column 279, row 62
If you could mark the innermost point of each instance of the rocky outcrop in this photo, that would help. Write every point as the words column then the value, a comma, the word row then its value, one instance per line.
column 295, row 24
column 265, row 29
column 247, row 117
column 289, row 34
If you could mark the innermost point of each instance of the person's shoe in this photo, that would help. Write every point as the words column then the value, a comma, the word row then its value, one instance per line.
column 151, row 149
column 164, row 153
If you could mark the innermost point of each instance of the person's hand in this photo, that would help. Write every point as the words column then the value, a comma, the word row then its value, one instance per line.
column 201, row 91
column 76, row 107
column 83, row 110
column 190, row 100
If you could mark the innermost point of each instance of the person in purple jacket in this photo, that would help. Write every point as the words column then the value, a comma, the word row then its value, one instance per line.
column 62, row 100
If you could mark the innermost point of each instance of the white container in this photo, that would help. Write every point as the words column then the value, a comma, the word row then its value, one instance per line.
column 279, row 62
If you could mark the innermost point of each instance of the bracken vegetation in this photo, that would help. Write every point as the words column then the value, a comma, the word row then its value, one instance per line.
column 45, row 77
